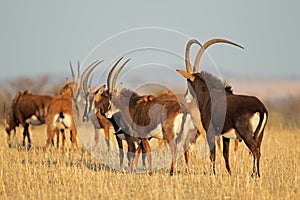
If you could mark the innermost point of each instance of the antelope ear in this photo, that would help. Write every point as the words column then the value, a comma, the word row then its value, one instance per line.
column 99, row 93
column 101, row 90
column 67, row 80
column 119, row 88
column 186, row 74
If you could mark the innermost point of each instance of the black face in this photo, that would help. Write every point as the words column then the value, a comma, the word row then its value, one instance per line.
column 103, row 103
column 196, row 88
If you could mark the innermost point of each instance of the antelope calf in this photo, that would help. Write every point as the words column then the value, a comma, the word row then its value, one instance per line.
column 60, row 118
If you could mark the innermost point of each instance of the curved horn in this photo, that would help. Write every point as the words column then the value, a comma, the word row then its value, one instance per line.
column 78, row 72
column 90, row 81
column 110, row 74
column 72, row 72
column 78, row 82
column 206, row 45
column 86, row 74
column 117, row 73
column 187, row 54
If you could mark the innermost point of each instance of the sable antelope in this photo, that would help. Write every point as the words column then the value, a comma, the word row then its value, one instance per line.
column 97, row 103
column 60, row 118
column 60, row 112
column 27, row 108
column 141, row 120
column 224, row 113
column 9, row 124
column 73, row 88
column 31, row 109
column 187, row 61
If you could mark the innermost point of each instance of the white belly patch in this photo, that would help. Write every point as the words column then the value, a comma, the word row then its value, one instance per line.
column 34, row 120
column 231, row 134
column 157, row 132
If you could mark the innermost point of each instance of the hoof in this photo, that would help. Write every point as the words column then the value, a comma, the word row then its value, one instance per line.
column 28, row 147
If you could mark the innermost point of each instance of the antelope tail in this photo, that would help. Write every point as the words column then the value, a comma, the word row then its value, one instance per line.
column 263, row 116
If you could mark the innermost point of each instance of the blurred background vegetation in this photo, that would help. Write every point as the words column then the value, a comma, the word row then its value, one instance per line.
column 283, row 112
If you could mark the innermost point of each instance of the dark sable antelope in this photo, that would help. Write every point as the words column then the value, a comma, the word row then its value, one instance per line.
column 26, row 109
column 97, row 104
column 187, row 61
column 145, row 117
column 224, row 113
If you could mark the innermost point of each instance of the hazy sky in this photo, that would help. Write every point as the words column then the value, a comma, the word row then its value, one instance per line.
column 39, row 37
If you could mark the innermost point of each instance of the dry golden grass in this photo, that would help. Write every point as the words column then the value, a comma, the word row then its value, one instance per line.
column 36, row 175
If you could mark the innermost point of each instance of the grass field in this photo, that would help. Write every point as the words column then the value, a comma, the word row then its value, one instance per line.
column 37, row 175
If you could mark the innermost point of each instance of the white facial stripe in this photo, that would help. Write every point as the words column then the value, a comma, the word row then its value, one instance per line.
column 188, row 96
column 111, row 112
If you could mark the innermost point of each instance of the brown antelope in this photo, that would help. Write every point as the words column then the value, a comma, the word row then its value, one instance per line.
column 141, row 120
column 187, row 62
column 94, row 103
column 97, row 103
column 101, row 99
column 9, row 125
column 31, row 109
column 27, row 109
column 60, row 118
column 224, row 113
column 60, row 114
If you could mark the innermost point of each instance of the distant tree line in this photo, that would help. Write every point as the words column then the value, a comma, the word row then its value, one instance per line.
column 286, row 111
column 40, row 85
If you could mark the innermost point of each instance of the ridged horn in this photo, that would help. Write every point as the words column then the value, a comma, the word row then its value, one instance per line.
column 206, row 45
column 110, row 74
column 187, row 54
column 117, row 73
column 72, row 72
column 86, row 74
column 78, row 83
